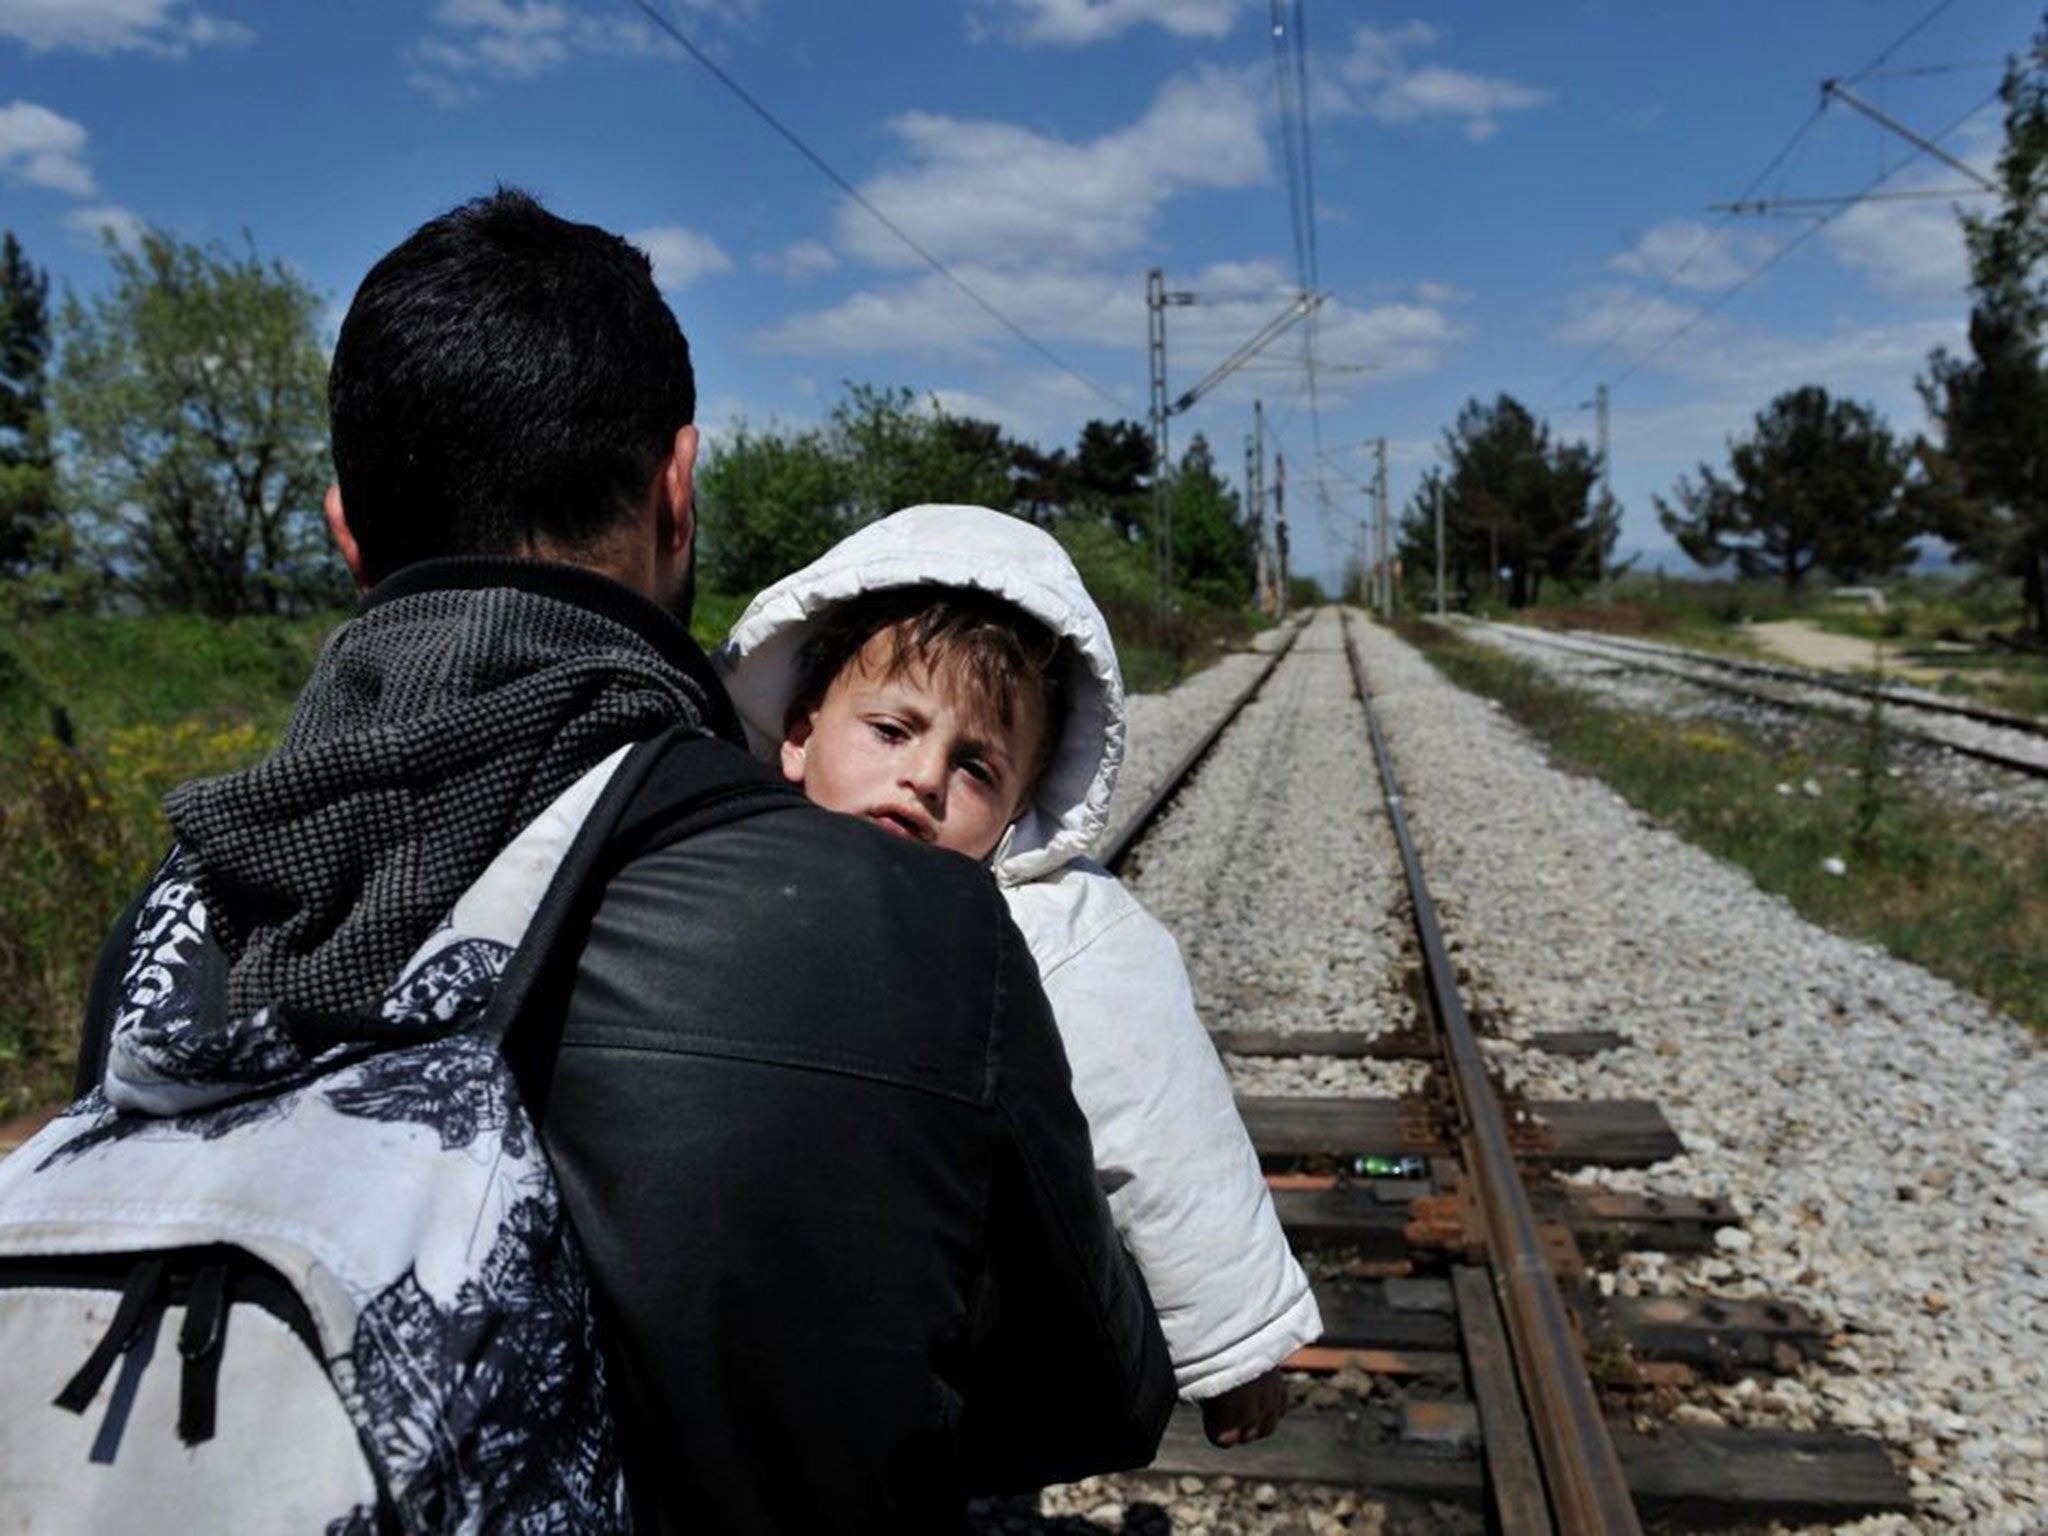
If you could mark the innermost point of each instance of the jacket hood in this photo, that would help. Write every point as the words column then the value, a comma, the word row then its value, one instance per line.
column 956, row 546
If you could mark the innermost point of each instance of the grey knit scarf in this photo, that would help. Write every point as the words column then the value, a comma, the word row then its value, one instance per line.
column 437, row 724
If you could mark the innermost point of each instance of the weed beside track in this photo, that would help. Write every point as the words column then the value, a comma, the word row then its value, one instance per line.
column 1956, row 891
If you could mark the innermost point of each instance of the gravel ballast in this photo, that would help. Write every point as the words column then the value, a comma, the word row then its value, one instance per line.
column 1882, row 1131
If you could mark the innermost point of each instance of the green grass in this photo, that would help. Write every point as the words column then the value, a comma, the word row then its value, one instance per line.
column 129, row 669
column 149, row 703
column 1962, row 894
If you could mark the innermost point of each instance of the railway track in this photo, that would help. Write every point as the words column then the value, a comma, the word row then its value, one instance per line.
column 1467, row 1359
column 2017, row 743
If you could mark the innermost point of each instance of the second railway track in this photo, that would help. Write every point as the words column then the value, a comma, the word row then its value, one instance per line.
column 2015, row 743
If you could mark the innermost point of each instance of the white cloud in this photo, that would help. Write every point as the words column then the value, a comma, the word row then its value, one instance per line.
column 1877, row 363
column 108, row 219
column 798, row 262
column 992, row 192
column 1733, row 361
column 1442, row 294
column 1912, row 250
column 39, row 148
column 1619, row 314
column 680, row 256
column 1376, row 79
column 720, row 417
column 1700, row 258
column 478, row 41
column 1093, row 21
column 167, row 28
column 926, row 317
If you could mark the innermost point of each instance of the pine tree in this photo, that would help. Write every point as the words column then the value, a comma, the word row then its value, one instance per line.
column 1988, row 476
column 1517, row 506
column 1212, row 544
column 1820, row 483
column 28, row 480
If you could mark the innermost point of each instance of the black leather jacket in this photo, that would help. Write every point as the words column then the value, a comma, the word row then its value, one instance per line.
column 814, row 1128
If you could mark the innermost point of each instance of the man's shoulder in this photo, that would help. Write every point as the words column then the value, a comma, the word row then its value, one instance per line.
column 802, row 857
column 802, row 938
column 824, row 853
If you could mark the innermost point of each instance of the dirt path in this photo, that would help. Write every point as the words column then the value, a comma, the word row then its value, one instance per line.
column 1810, row 646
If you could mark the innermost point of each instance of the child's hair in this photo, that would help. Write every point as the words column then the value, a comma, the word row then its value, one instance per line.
column 1002, row 651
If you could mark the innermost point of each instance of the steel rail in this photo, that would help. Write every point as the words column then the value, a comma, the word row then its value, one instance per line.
column 1588, row 1491
column 1981, row 713
column 1118, row 847
column 1672, row 664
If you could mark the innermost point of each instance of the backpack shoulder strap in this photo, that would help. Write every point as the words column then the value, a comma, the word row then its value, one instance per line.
column 673, row 786
column 97, row 1028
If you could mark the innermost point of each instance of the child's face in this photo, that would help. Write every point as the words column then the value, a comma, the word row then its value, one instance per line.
column 918, row 753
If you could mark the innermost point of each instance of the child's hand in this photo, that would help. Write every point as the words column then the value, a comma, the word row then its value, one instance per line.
column 1247, row 1413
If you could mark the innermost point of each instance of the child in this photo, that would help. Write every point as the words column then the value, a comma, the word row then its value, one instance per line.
column 944, row 673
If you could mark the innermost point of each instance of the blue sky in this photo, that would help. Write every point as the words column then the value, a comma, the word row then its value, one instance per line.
column 1509, row 197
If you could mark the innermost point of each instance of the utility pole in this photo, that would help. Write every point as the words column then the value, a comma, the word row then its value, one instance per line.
column 1436, row 497
column 1263, row 564
column 1157, row 298
column 1383, row 550
column 1280, row 531
column 1606, row 497
column 1162, row 504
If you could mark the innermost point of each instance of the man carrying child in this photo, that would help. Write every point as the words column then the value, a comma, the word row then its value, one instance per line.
column 809, row 1115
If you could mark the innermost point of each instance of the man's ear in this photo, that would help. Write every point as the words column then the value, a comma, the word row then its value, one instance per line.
column 796, row 741
column 344, row 538
column 679, row 480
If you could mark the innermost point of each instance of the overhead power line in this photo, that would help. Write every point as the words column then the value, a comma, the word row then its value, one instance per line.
column 1792, row 245
column 1905, row 37
column 796, row 142
column 1794, row 204
column 1966, row 67
column 1622, row 330
column 1300, row 309
column 1835, row 90
column 1741, row 200
column 1290, row 77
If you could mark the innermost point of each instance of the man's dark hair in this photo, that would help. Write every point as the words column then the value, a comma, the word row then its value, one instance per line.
column 1002, row 652
column 503, row 376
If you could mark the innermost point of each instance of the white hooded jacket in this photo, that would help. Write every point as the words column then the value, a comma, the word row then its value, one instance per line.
column 1180, row 1174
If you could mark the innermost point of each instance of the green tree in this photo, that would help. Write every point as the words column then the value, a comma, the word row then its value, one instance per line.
column 1112, row 476
column 1517, row 507
column 28, row 477
column 192, row 405
column 1987, row 490
column 768, row 503
column 899, row 456
column 1820, row 482
column 1415, row 543
column 773, row 501
column 1041, row 483
column 1212, row 547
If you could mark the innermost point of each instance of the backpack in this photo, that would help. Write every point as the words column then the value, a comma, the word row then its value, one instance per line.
column 284, row 1273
